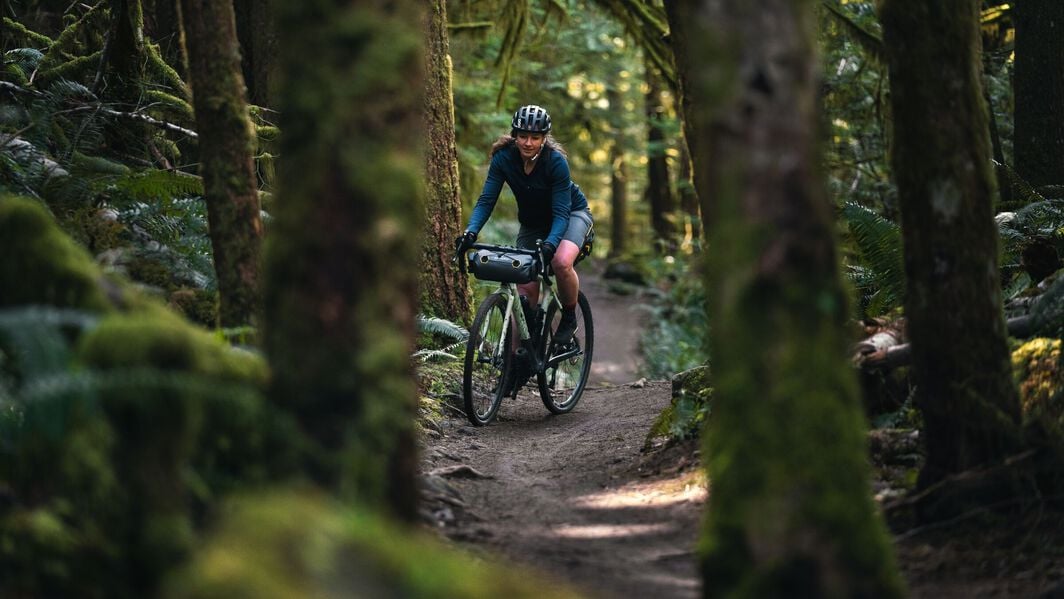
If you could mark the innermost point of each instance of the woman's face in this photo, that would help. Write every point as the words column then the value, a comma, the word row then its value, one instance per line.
column 529, row 144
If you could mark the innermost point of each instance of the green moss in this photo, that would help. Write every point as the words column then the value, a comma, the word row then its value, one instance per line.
column 17, row 31
column 301, row 544
column 690, row 406
column 75, row 69
column 41, row 264
column 169, row 104
column 198, row 305
column 1037, row 368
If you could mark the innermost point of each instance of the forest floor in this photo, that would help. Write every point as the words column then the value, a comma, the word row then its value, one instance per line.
column 578, row 498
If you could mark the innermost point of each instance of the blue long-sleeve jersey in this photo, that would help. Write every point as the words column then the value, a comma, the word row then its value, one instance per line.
column 545, row 197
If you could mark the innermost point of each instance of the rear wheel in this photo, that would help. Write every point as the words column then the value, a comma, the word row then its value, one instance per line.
column 568, row 365
column 487, row 361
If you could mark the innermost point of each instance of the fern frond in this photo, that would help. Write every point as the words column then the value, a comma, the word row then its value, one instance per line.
column 878, row 241
column 32, row 337
column 1027, row 194
column 427, row 355
column 441, row 326
column 26, row 59
column 154, row 185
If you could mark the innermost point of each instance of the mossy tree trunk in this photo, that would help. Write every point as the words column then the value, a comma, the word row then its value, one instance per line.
column 1038, row 85
column 162, row 24
column 226, row 144
column 659, row 192
column 341, row 262
column 444, row 289
column 125, row 52
column 791, row 514
column 258, row 43
column 941, row 161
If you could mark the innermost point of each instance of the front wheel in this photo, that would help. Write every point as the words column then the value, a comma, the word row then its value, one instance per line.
column 567, row 366
column 487, row 361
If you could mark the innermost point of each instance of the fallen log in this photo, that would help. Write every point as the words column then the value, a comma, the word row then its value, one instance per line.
column 882, row 354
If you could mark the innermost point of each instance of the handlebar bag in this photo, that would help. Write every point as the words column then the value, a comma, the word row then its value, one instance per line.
column 502, row 267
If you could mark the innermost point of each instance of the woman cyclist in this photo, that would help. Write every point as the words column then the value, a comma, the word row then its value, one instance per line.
column 550, row 207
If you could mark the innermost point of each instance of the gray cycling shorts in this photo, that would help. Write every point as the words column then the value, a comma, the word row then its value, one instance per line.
column 580, row 223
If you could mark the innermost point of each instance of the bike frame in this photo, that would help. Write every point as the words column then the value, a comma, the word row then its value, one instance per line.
column 547, row 296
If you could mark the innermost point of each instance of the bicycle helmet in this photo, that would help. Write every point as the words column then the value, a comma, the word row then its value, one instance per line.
column 531, row 119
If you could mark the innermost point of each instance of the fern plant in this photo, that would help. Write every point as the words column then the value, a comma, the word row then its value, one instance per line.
column 433, row 328
column 880, row 275
column 35, row 352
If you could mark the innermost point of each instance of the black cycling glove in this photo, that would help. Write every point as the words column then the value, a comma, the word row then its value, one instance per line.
column 463, row 242
column 547, row 249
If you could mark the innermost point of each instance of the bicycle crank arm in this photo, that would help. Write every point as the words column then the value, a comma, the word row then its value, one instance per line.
column 576, row 351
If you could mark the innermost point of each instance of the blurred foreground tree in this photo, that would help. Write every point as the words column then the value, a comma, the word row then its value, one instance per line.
column 341, row 283
column 791, row 512
column 226, row 143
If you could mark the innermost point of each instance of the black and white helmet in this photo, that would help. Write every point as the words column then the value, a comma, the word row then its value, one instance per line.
column 531, row 119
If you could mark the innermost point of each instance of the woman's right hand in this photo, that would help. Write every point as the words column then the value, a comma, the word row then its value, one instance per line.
column 463, row 242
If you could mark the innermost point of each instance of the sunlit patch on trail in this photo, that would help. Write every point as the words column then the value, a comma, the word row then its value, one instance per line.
column 687, row 487
column 603, row 531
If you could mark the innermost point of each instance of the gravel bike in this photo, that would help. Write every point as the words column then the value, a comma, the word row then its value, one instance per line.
column 495, row 362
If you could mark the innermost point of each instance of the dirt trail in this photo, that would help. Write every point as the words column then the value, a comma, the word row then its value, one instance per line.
column 573, row 495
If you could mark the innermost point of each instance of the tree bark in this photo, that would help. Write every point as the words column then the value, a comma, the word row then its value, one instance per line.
column 791, row 513
column 124, row 52
column 162, row 25
column 658, row 192
column 226, row 143
column 341, row 287
column 618, row 202
column 1038, row 86
column 688, row 197
column 256, row 31
column 444, row 289
column 618, row 186
column 941, row 160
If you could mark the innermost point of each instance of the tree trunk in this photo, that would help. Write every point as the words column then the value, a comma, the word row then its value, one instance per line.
column 341, row 265
column 791, row 513
column 444, row 289
column 125, row 52
column 162, row 25
column 618, row 185
column 1038, row 85
column 659, row 193
column 618, row 202
column 941, row 160
column 688, row 196
column 256, row 31
column 225, row 146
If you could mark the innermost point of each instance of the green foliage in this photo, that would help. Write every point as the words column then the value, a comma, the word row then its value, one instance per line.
column 880, row 275
column 677, row 324
column 434, row 328
column 116, row 429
